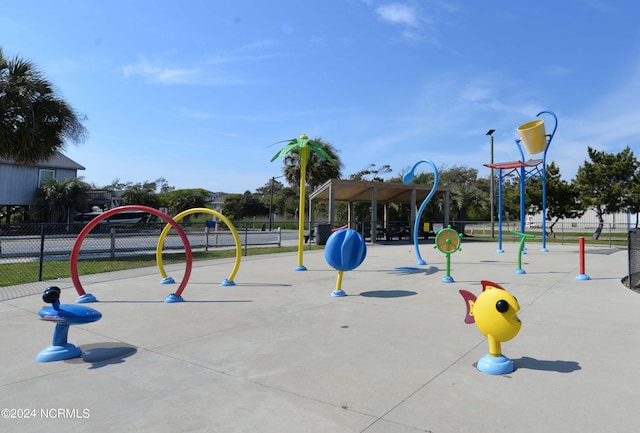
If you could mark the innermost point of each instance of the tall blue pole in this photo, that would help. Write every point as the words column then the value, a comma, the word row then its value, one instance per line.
column 544, row 179
column 523, row 203
column 500, row 250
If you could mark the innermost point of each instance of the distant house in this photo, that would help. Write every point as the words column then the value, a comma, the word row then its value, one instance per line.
column 18, row 183
column 216, row 201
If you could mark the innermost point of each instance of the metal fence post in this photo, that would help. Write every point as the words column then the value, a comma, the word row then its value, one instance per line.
column 41, row 252
column 113, row 242
column 609, row 235
column 246, row 241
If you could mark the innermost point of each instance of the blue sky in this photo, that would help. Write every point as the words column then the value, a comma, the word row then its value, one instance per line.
column 196, row 91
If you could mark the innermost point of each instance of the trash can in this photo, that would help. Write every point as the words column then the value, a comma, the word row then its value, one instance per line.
column 322, row 233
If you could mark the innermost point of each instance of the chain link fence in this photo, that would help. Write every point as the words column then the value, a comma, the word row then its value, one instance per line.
column 562, row 232
column 31, row 253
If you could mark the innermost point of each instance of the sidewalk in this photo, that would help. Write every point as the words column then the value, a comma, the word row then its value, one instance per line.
column 276, row 353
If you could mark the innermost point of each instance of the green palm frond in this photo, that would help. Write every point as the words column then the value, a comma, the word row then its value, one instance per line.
column 319, row 150
column 283, row 141
column 293, row 144
column 299, row 143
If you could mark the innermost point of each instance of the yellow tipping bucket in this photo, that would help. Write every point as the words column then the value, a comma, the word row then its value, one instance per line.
column 533, row 136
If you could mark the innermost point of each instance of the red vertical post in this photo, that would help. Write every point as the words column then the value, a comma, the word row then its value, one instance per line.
column 581, row 241
column 582, row 275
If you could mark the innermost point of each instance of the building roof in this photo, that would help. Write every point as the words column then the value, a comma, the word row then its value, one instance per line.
column 58, row 160
column 361, row 190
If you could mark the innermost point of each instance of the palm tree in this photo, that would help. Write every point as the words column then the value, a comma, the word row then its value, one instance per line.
column 63, row 197
column 180, row 200
column 141, row 196
column 301, row 147
column 34, row 121
column 319, row 168
column 54, row 194
column 465, row 192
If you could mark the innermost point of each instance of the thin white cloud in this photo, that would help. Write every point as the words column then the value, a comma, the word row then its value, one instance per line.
column 414, row 20
column 205, row 72
column 399, row 13
column 476, row 92
column 251, row 52
column 412, row 36
column 191, row 114
column 600, row 6
column 200, row 74
column 160, row 74
column 610, row 123
column 257, row 44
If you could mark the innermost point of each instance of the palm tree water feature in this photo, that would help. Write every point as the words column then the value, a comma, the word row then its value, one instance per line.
column 302, row 146
column 407, row 178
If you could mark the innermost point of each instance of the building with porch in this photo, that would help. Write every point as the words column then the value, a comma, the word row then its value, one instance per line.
column 19, row 183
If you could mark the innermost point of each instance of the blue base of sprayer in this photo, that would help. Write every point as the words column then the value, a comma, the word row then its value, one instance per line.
column 227, row 282
column 495, row 364
column 338, row 293
column 583, row 277
column 87, row 298
column 447, row 279
column 63, row 316
column 299, row 268
column 167, row 280
column 58, row 353
column 173, row 298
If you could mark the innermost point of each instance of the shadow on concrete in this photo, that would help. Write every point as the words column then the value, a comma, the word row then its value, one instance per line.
column 102, row 354
column 186, row 300
column 387, row 293
column 537, row 364
column 404, row 270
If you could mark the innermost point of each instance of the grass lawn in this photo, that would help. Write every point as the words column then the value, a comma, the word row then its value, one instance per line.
column 27, row 272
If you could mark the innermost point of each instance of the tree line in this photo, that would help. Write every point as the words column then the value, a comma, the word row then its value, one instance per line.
column 61, row 200
column 606, row 183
